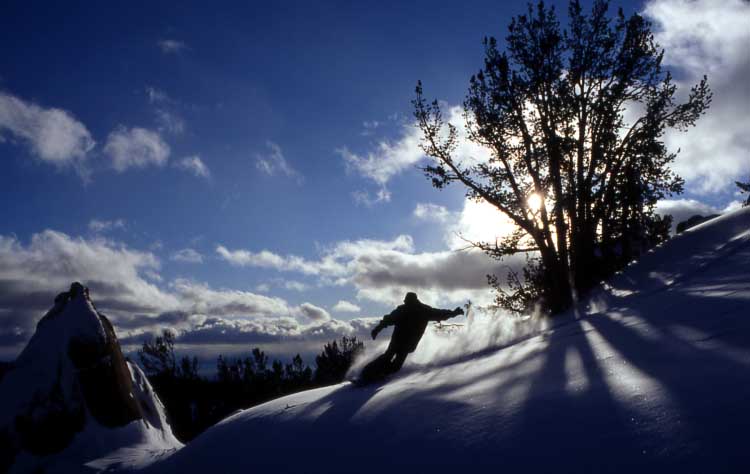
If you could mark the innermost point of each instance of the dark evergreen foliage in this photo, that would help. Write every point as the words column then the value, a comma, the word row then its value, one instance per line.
column 335, row 360
column 744, row 188
column 550, row 111
column 194, row 402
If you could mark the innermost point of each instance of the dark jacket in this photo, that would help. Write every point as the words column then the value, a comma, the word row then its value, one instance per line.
column 410, row 321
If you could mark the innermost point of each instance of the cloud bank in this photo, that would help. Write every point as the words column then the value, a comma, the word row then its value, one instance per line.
column 122, row 282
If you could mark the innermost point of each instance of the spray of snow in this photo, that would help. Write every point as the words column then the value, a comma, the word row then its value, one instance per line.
column 484, row 329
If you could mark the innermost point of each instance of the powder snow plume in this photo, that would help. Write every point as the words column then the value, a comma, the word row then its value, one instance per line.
column 482, row 329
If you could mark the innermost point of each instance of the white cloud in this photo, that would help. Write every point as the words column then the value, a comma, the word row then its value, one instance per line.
column 382, row 271
column 479, row 221
column 53, row 135
column 196, row 166
column 217, row 330
column 314, row 313
column 709, row 37
column 683, row 209
column 169, row 122
column 263, row 259
column 344, row 306
column 199, row 298
column 274, row 163
column 295, row 285
column 389, row 158
column 171, row 46
column 369, row 127
column 331, row 264
column 432, row 212
column 32, row 274
column 187, row 255
column 156, row 96
column 366, row 199
column 98, row 226
column 136, row 147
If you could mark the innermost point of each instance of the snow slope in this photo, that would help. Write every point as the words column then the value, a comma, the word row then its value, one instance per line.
column 651, row 373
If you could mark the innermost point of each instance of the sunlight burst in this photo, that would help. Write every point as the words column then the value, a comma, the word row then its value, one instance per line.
column 534, row 201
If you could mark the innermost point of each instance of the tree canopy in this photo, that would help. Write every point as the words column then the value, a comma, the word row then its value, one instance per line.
column 572, row 120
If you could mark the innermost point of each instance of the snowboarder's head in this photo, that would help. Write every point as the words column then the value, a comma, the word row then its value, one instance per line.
column 410, row 298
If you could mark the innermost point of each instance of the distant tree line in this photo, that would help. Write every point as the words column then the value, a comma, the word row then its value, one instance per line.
column 194, row 402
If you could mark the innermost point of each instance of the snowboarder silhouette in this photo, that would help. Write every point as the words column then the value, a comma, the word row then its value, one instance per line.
column 410, row 320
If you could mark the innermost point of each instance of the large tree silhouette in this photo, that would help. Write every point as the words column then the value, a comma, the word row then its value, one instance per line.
column 572, row 118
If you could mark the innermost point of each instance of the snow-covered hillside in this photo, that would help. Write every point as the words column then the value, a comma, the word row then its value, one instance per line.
column 652, row 373
column 72, row 403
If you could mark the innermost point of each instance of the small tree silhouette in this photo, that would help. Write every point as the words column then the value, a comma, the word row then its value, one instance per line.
column 335, row 360
column 157, row 356
column 744, row 188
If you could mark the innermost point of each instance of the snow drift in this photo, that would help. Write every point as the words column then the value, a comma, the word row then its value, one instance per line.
column 652, row 372
column 72, row 399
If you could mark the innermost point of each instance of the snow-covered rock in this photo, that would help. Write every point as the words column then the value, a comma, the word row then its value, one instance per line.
column 71, row 398
column 651, row 374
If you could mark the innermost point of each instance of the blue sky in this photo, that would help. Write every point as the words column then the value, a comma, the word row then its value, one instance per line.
column 179, row 142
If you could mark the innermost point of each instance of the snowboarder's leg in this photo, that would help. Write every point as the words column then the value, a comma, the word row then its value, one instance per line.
column 395, row 364
column 376, row 369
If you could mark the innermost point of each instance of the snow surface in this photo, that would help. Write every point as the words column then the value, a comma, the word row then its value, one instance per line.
column 652, row 372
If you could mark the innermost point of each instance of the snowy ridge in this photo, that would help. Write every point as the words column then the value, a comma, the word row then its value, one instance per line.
column 649, row 373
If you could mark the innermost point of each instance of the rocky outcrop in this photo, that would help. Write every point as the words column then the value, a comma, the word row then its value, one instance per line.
column 72, row 376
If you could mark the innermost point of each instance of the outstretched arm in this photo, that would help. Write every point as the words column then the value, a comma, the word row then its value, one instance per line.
column 388, row 320
column 443, row 314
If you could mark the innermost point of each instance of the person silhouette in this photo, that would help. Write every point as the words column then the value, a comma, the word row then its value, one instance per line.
column 410, row 321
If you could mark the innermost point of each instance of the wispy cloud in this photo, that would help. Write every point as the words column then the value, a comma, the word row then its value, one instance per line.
column 156, row 96
column 369, row 127
column 332, row 262
column 274, row 163
column 295, row 285
column 52, row 135
column 196, row 166
column 382, row 271
column 167, row 118
column 368, row 199
column 389, row 157
column 432, row 212
column 187, row 255
column 170, row 122
column 171, row 46
column 99, row 226
column 136, row 148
